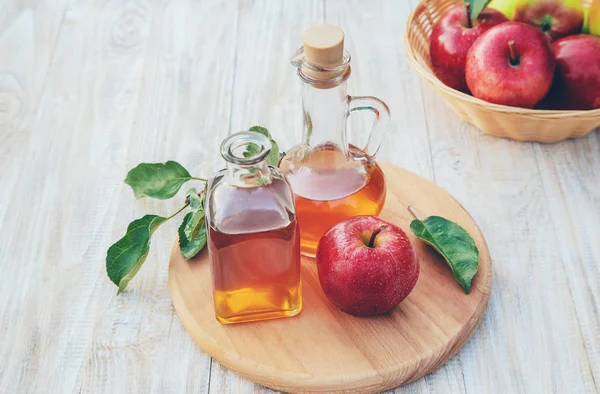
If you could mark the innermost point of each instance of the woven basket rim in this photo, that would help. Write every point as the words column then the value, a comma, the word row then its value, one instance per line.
column 433, row 80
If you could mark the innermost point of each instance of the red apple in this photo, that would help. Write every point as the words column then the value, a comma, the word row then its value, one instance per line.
column 366, row 265
column 577, row 76
column 451, row 38
column 557, row 18
column 511, row 64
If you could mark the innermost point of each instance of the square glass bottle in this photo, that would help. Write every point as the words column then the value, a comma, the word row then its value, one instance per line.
column 253, row 235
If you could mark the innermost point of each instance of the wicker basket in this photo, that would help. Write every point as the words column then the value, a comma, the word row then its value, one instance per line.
column 498, row 120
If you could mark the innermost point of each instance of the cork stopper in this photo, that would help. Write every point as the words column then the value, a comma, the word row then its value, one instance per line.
column 323, row 47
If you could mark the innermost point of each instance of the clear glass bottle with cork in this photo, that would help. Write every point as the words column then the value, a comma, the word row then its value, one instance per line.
column 332, row 179
column 253, row 236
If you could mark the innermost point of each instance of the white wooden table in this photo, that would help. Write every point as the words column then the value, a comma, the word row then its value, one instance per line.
column 91, row 88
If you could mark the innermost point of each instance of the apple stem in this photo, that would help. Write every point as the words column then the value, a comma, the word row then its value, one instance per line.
column 546, row 24
column 375, row 234
column 514, row 59
column 468, row 12
column 412, row 211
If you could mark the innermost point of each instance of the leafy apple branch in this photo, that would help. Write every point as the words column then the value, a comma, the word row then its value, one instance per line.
column 162, row 181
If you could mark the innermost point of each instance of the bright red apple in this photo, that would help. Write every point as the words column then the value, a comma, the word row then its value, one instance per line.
column 451, row 38
column 511, row 64
column 577, row 76
column 366, row 265
column 557, row 18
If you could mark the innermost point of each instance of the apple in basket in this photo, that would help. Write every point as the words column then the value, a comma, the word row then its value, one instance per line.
column 556, row 18
column 577, row 79
column 511, row 64
column 451, row 38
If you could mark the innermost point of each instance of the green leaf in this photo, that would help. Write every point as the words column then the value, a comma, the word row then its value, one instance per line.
column 192, row 231
column 475, row 7
column 454, row 243
column 251, row 150
column 274, row 156
column 157, row 180
column 192, row 234
column 261, row 130
column 125, row 257
column 195, row 201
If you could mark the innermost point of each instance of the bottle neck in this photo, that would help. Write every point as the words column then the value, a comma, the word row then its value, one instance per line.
column 325, row 112
column 249, row 175
column 246, row 154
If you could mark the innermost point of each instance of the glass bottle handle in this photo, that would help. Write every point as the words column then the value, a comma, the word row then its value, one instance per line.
column 382, row 118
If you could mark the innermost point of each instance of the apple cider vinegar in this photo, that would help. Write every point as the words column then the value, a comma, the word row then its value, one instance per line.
column 256, row 276
column 332, row 179
column 327, row 196
column 253, row 236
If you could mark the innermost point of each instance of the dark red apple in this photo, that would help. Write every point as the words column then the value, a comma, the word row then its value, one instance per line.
column 577, row 75
column 366, row 265
column 451, row 38
column 557, row 18
column 511, row 64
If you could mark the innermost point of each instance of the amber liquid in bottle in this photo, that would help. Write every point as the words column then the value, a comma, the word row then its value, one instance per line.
column 331, row 179
column 256, row 275
column 331, row 190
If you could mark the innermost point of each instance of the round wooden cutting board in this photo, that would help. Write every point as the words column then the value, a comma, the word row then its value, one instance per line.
column 325, row 350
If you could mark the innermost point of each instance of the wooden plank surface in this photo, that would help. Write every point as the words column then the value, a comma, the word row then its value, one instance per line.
column 90, row 88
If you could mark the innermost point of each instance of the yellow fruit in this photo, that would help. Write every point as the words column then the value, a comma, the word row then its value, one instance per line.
column 507, row 7
column 594, row 18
